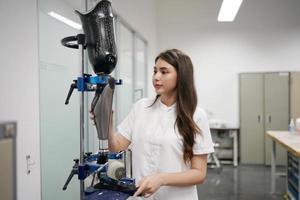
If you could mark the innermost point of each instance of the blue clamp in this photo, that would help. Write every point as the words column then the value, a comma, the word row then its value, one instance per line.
column 115, row 156
column 88, row 79
column 82, row 84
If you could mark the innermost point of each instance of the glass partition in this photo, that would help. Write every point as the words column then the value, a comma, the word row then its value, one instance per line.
column 140, row 69
column 124, row 71
column 59, row 122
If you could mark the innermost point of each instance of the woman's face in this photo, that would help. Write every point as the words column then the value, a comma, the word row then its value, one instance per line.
column 164, row 78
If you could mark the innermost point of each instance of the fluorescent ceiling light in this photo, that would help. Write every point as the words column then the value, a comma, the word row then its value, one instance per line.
column 65, row 20
column 229, row 10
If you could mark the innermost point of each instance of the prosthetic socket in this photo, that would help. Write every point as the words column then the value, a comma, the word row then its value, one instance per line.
column 99, row 30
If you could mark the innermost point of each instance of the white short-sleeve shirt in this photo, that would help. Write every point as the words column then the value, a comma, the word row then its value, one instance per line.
column 157, row 147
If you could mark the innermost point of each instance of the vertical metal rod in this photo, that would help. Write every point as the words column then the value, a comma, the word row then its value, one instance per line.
column 134, row 66
column 81, row 61
column 235, row 148
column 273, row 168
column 146, row 68
column 89, row 147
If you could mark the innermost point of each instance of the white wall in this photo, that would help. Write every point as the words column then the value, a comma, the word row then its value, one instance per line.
column 19, row 86
column 264, row 37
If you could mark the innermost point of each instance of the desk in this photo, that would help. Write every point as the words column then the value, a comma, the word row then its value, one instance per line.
column 290, row 141
column 232, row 133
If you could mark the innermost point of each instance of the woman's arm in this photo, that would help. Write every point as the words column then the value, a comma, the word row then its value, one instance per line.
column 116, row 142
column 196, row 175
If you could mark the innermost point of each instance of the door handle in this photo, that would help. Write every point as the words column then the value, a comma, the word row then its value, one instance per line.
column 269, row 119
column 259, row 119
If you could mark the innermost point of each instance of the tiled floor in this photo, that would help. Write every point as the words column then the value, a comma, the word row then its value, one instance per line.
column 246, row 182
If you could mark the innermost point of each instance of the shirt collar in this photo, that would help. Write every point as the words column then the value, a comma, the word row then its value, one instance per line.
column 165, row 107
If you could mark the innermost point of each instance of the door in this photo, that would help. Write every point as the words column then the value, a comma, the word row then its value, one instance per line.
column 276, row 95
column 251, row 118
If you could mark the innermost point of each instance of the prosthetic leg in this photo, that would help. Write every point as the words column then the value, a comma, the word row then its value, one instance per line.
column 99, row 41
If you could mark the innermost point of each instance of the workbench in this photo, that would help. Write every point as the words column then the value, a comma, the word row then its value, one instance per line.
column 291, row 142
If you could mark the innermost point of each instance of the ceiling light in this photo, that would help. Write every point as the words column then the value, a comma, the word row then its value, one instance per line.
column 65, row 20
column 229, row 10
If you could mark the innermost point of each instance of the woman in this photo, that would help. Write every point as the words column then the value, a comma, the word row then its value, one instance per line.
column 169, row 135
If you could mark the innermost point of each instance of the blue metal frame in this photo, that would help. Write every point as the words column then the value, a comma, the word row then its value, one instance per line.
column 89, row 167
column 103, row 80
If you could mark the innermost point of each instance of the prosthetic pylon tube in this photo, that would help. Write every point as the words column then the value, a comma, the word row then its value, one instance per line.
column 102, row 108
column 98, row 27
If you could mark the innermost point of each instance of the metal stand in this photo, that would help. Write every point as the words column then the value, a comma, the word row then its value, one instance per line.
column 88, row 163
column 81, row 41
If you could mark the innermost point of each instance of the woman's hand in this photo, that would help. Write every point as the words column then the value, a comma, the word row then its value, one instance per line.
column 92, row 116
column 148, row 185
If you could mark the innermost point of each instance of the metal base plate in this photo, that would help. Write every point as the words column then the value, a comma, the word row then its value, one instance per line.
column 103, row 194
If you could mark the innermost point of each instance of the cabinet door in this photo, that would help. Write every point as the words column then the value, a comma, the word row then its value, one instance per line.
column 276, row 86
column 251, row 118
column 295, row 95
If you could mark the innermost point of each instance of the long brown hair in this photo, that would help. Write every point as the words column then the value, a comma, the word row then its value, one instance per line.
column 186, row 98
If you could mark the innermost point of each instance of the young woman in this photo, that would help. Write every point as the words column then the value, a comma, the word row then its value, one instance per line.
column 169, row 135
